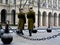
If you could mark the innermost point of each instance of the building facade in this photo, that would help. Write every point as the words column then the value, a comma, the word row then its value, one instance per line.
column 49, row 11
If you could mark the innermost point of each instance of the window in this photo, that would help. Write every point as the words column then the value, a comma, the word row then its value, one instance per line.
column 49, row 3
column 14, row 1
column 55, row 4
column 6, row 1
column 59, row 4
column 43, row 3
column 0, row 1
column 35, row 3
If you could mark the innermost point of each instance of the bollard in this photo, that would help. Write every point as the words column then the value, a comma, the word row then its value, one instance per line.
column 49, row 29
column 34, row 31
column 6, row 38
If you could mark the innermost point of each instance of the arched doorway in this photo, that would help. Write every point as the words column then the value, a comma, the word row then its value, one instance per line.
column 44, row 19
column 49, row 18
column 55, row 19
column 3, row 15
column 39, row 18
column 13, row 12
column 59, row 20
column 39, row 14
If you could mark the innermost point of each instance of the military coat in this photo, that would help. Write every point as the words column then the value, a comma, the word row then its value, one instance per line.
column 31, row 19
column 22, row 20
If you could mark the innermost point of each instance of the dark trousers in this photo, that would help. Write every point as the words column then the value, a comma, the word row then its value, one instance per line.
column 30, row 32
column 21, row 32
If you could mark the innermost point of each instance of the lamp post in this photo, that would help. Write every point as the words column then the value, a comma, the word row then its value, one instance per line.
column 15, row 11
column 9, row 6
column 38, row 11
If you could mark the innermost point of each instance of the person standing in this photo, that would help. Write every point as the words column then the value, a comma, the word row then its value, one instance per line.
column 31, row 20
column 22, row 20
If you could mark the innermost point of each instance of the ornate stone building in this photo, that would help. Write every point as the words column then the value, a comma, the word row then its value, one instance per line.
column 49, row 11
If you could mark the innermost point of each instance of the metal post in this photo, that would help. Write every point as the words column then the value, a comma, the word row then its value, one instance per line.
column 15, row 12
column 51, row 23
column 38, row 11
column 9, row 8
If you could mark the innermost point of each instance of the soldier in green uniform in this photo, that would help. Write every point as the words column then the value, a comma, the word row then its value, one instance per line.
column 22, row 20
column 31, row 20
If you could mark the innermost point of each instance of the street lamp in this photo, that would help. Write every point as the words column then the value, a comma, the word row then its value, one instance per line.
column 15, row 11
column 9, row 7
column 38, row 11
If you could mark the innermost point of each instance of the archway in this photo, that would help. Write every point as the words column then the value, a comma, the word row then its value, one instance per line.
column 59, row 20
column 55, row 18
column 44, row 19
column 49, row 18
column 13, row 13
column 3, row 15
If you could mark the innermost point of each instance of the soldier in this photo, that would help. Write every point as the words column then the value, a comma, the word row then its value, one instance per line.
column 31, row 20
column 22, row 20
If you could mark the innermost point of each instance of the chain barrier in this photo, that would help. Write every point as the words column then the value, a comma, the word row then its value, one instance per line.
column 40, row 39
column 37, row 39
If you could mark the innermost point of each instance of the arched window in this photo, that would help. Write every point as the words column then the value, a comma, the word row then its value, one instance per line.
column 49, row 18
column 44, row 19
column 3, row 15
column 55, row 18
column 1, row 1
column 13, row 12
column 6, row 1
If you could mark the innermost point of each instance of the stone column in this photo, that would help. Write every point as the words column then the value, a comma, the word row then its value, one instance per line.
column 57, row 21
column 47, row 20
column 36, row 20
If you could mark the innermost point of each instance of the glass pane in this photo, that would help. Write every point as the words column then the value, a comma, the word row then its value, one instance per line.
column 0, row 1
column 14, row 1
column 59, row 4
column 35, row 3
column 6, row 1
column 49, row 3
column 55, row 4
column 43, row 3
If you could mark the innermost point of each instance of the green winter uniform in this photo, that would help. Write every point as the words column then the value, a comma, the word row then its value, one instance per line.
column 22, row 20
column 31, row 19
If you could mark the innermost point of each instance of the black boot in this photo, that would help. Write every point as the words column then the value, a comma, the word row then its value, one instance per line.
column 22, row 32
column 30, row 33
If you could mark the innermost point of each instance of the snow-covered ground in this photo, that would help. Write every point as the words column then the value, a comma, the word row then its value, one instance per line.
column 18, row 40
